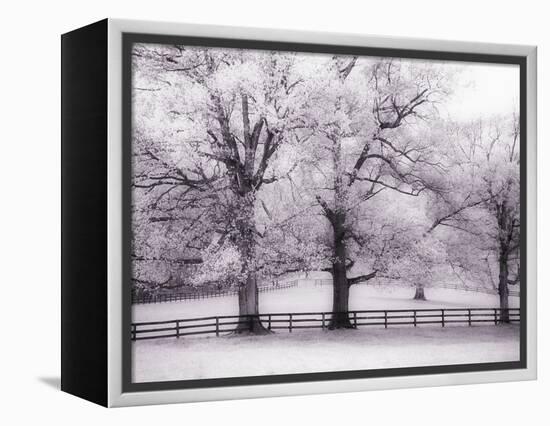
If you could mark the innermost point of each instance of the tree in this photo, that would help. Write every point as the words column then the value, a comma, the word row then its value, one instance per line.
column 490, row 149
column 449, row 208
column 503, row 202
column 227, row 114
column 174, row 213
column 369, row 120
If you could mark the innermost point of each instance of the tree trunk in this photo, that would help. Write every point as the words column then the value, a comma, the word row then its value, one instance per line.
column 340, row 300
column 419, row 293
column 249, row 321
column 503, row 288
column 248, row 308
column 245, row 182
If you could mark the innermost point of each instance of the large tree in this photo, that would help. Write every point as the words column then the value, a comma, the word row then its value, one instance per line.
column 225, row 115
column 369, row 119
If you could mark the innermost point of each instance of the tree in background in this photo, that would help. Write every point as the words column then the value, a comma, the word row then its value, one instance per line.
column 487, row 247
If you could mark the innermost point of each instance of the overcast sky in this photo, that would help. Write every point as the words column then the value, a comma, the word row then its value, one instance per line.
column 484, row 89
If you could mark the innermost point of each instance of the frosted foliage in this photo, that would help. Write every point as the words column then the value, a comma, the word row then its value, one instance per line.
column 220, row 263
column 252, row 163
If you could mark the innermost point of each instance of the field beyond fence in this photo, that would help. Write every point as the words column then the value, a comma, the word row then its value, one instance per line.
column 218, row 325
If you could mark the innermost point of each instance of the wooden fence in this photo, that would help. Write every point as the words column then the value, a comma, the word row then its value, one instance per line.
column 177, row 297
column 310, row 320
column 479, row 289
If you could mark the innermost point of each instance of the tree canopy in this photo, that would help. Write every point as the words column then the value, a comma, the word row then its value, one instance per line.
column 249, row 165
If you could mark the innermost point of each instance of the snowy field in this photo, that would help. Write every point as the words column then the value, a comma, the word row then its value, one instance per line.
column 316, row 350
column 308, row 297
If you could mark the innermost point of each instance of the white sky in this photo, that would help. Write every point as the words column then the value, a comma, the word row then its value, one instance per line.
column 484, row 89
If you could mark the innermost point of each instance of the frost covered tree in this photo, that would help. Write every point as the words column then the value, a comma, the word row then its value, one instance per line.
column 369, row 117
column 502, row 186
column 174, row 213
column 220, row 116
column 487, row 246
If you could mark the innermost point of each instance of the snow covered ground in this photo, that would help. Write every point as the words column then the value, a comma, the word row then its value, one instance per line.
column 317, row 351
column 307, row 297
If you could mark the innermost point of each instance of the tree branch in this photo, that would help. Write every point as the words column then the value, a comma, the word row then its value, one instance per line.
column 362, row 278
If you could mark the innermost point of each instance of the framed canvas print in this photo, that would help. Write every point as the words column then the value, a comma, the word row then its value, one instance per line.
column 253, row 213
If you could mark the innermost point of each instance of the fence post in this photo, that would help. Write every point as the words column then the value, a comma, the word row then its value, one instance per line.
column 269, row 322
column 323, row 320
column 414, row 316
column 442, row 317
column 133, row 332
column 385, row 319
column 470, row 317
column 217, row 326
column 496, row 321
column 355, row 319
column 177, row 329
column 290, row 323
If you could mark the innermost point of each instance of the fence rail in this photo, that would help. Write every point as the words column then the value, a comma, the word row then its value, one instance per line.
column 177, row 297
column 310, row 320
column 478, row 289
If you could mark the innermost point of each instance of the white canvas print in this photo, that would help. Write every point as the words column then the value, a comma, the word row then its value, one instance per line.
column 299, row 213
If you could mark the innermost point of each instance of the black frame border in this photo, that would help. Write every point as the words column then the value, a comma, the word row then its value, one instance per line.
column 84, row 234
column 128, row 39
